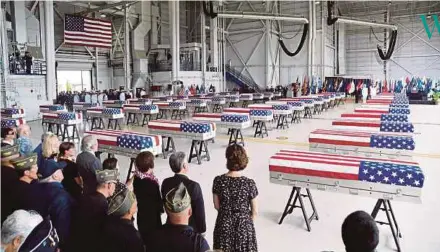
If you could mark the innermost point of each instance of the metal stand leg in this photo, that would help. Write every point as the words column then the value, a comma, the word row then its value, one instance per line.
column 245, row 104
column 282, row 122
column 385, row 205
column 146, row 119
column 197, row 148
column 261, row 129
column 236, row 137
column 291, row 204
column 169, row 148
column 130, row 169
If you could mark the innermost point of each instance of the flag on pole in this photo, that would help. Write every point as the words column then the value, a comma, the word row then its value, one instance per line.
column 84, row 31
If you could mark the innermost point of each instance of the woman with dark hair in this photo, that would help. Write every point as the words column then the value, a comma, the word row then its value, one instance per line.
column 146, row 189
column 235, row 199
column 72, row 181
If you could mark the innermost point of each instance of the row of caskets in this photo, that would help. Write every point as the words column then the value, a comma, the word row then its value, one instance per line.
column 367, row 152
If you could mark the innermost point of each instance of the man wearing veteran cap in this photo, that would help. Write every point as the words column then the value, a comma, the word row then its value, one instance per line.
column 119, row 233
column 176, row 235
column 26, row 169
column 9, row 179
column 91, row 213
column 58, row 202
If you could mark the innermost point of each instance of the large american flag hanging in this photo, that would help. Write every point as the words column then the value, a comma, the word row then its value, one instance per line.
column 84, row 31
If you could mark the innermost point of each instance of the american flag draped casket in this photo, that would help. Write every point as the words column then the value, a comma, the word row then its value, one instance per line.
column 218, row 100
column 171, row 105
column 112, row 113
column 232, row 98
column 392, row 110
column 139, row 101
column 376, row 126
column 308, row 102
column 69, row 118
column 186, row 129
column 141, row 108
column 52, row 108
column 232, row 121
column 77, row 105
column 12, row 112
column 113, row 103
column 374, row 177
column 197, row 103
column 261, row 114
column 380, row 106
column 268, row 95
column 12, row 122
column 363, row 142
column 258, row 96
column 295, row 104
column 237, row 110
column 376, row 117
column 126, row 143
column 320, row 100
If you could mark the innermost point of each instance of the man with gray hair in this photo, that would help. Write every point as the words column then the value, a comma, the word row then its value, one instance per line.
column 88, row 163
column 17, row 228
column 179, row 166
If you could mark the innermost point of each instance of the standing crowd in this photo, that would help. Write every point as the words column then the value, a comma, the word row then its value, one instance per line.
column 55, row 200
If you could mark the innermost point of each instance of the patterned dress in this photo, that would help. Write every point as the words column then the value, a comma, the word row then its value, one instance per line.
column 234, row 228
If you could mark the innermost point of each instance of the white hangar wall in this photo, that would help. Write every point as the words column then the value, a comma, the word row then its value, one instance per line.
column 414, row 53
column 253, row 48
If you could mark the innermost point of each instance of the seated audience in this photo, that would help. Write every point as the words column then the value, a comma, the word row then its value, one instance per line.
column 235, row 199
column 8, row 136
column 24, row 142
column 146, row 189
column 91, row 213
column 39, row 148
column 360, row 232
column 57, row 201
column 176, row 235
column 17, row 228
column 9, row 179
column 180, row 166
column 118, row 232
column 26, row 169
column 72, row 182
column 88, row 163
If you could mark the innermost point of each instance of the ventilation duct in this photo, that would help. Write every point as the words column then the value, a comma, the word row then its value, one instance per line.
column 138, row 49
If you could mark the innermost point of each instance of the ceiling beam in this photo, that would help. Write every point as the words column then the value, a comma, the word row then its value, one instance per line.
column 87, row 6
column 105, row 7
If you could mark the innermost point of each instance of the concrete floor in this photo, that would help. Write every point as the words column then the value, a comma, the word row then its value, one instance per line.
column 419, row 223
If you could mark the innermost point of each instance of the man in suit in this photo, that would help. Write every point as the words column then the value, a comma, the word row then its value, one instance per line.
column 179, row 166
column 88, row 163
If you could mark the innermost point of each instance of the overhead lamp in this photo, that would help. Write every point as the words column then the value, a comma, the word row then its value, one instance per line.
column 103, row 15
column 317, row 2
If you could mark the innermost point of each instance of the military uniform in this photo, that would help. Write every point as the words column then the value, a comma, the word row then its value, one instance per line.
column 177, row 238
column 90, row 216
column 119, row 234
column 9, row 180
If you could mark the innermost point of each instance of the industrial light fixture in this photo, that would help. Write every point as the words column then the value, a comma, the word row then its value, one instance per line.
column 317, row 2
column 103, row 15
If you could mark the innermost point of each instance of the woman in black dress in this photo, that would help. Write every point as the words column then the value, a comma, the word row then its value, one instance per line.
column 146, row 189
column 72, row 182
column 235, row 198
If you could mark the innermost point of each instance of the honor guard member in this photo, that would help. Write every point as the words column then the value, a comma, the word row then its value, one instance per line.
column 9, row 180
column 176, row 235
column 91, row 213
column 119, row 233
column 57, row 201
column 26, row 169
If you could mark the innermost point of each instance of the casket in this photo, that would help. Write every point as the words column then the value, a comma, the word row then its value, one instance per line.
column 52, row 108
column 376, row 126
column 126, row 143
column 258, row 96
column 113, row 103
column 230, row 121
column 111, row 113
column 376, row 116
column 12, row 122
column 232, row 98
column 218, row 100
column 141, row 109
column 139, row 101
column 13, row 112
column 374, row 177
column 171, row 105
column 377, row 143
column 183, row 129
column 261, row 114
